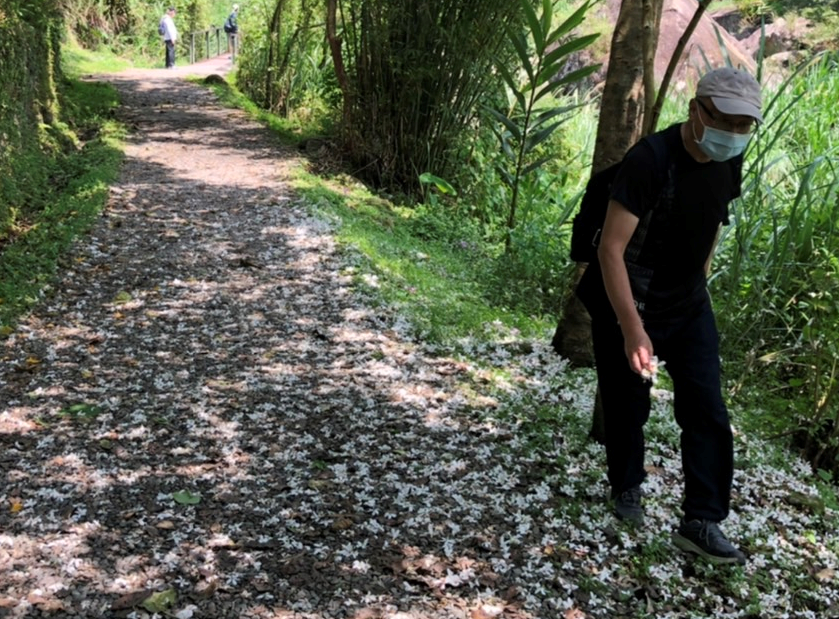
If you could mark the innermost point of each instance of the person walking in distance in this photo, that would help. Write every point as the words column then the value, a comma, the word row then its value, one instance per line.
column 231, row 27
column 169, row 32
column 653, row 303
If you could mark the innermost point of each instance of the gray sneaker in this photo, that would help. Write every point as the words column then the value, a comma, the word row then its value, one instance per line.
column 628, row 505
column 704, row 538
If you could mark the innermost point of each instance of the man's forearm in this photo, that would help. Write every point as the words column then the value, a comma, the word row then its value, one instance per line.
column 618, row 289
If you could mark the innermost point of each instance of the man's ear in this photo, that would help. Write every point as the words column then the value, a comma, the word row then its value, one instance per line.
column 692, row 108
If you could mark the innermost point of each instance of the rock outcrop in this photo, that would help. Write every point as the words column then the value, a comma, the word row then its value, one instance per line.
column 720, row 38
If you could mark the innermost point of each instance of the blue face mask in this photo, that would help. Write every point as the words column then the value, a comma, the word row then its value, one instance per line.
column 721, row 145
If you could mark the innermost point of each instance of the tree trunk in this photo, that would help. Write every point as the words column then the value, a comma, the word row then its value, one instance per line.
column 337, row 57
column 273, row 43
column 572, row 339
column 622, row 105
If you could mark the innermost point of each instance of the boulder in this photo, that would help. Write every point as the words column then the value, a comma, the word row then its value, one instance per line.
column 780, row 36
column 709, row 45
column 215, row 78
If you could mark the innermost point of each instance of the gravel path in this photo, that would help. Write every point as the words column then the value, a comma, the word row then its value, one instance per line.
column 202, row 418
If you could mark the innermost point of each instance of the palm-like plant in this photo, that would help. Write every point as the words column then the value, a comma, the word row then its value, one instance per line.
column 543, row 55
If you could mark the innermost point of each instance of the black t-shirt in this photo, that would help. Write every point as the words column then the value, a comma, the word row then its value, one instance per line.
column 680, row 237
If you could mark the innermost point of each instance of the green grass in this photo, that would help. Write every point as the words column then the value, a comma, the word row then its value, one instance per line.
column 80, row 173
column 287, row 130
column 77, row 61
column 438, row 285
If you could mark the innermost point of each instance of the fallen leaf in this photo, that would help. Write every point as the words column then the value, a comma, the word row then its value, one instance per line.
column 161, row 601
column 342, row 523
column 166, row 524
column 129, row 600
column 486, row 611
column 186, row 613
column 826, row 575
column 185, row 497
column 15, row 505
column 205, row 589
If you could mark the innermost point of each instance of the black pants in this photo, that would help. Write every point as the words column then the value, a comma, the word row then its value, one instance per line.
column 690, row 347
column 170, row 54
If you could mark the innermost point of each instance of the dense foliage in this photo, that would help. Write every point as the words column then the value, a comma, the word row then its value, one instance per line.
column 407, row 75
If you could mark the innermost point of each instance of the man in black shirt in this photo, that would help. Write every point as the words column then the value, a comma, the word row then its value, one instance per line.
column 654, row 304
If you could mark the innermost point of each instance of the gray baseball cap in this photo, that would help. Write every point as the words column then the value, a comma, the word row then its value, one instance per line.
column 733, row 91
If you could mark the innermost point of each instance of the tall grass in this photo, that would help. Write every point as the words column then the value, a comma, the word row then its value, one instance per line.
column 779, row 276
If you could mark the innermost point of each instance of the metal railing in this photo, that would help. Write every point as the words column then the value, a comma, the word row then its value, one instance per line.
column 209, row 43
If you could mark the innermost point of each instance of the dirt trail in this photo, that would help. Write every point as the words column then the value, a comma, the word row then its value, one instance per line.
column 202, row 407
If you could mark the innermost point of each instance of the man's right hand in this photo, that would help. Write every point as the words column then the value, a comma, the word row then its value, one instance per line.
column 639, row 351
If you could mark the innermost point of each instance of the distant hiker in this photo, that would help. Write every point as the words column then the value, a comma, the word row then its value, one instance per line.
column 654, row 302
column 169, row 33
column 231, row 27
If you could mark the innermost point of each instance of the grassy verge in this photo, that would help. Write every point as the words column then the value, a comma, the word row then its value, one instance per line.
column 81, row 158
column 439, row 284
column 285, row 129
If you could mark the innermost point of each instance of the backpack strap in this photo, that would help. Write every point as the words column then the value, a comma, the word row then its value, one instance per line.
column 666, row 169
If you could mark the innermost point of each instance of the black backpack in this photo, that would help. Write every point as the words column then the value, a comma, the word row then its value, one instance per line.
column 228, row 25
column 588, row 223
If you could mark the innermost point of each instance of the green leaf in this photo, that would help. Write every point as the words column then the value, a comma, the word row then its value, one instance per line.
column 122, row 297
column 511, row 81
column 513, row 85
column 547, row 115
column 505, row 176
column 185, row 497
column 507, row 148
column 536, row 164
column 82, row 412
column 536, row 30
column 160, row 602
column 520, row 46
column 508, row 123
column 442, row 185
column 547, row 19
column 576, row 76
column 569, row 24
column 568, row 48
column 536, row 138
